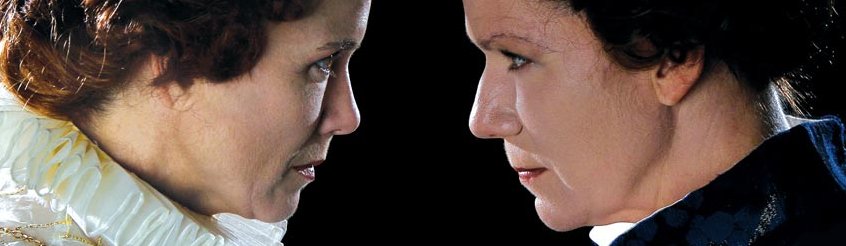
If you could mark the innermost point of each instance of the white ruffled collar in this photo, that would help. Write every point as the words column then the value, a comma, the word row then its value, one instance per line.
column 54, row 159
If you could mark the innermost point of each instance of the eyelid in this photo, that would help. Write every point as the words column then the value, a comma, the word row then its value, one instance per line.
column 323, row 69
column 513, row 56
column 509, row 54
column 331, row 58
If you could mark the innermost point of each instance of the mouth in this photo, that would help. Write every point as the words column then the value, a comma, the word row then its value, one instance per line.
column 527, row 174
column 307, row 170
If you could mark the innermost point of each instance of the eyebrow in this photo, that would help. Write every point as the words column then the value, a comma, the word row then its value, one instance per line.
column 486, row 42
column 344, row 44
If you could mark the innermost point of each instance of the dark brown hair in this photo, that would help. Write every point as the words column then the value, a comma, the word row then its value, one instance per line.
column 761, row 41
column 66, row 58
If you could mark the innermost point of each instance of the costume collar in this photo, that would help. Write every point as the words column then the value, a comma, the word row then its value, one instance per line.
column 63, row 167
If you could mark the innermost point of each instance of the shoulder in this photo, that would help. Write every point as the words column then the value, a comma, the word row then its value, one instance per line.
column 829, row 141
column 811, row 164
column 811, row 180
column 788, row 190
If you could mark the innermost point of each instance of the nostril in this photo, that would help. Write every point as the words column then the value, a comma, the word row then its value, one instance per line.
column 495, row 124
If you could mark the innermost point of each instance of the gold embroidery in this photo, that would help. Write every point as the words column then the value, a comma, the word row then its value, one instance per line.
column 20, row 191
column 83, row 240
column 18, row 234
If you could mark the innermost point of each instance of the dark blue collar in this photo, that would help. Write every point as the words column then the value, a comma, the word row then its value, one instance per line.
column 792, row 188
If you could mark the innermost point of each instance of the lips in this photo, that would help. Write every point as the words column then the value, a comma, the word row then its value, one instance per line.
column 307, row 170
column 527, row 174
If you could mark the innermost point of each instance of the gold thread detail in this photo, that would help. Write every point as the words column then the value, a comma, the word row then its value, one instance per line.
column 18, row 234
column 19, row 191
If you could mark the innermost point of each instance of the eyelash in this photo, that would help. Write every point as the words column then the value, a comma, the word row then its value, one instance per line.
column 517, row 61
column 323, row 69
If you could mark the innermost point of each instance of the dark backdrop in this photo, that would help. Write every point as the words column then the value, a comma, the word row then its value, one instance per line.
column 413, row 173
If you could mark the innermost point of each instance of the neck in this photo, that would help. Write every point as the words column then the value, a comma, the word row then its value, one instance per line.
column 131, row 132
column 717, row 125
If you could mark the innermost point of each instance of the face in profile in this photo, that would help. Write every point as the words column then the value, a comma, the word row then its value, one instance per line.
column 250, row 145
column 580, row 130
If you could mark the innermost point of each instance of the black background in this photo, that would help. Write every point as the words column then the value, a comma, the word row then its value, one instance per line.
column 413, row 174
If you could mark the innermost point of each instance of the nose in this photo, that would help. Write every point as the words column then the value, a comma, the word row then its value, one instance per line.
column 340, row 113
column 494, row 113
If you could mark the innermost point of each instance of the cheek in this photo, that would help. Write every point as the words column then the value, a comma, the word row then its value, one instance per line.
column 270, row 113
column 595, row 136
column 285, row 118
column 312, row 103
column 589, row 121
column 260, row 124
column 566, row 114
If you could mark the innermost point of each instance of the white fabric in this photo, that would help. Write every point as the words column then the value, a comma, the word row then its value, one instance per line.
column 605, row 235
column 65, row 175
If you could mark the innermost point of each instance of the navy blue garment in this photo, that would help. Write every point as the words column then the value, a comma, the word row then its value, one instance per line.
column 791, row 190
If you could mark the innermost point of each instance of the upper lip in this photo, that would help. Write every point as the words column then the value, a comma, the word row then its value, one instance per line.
column 308, row 165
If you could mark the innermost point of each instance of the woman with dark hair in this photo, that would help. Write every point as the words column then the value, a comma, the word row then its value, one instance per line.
column 142, row 122
column 664, row 119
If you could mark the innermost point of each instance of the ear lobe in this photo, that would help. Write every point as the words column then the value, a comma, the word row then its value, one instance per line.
column 674, row 80
column 174, row 96
column 169, row 95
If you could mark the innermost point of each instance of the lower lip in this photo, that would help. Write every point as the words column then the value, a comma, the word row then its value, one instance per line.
column 307, row 172
column 527, row 175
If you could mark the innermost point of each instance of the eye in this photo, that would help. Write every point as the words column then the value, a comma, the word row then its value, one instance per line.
column 517, row 61
column 321, row 70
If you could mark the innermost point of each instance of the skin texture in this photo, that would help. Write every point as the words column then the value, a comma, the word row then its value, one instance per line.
column 230, row 147
column 617, row 144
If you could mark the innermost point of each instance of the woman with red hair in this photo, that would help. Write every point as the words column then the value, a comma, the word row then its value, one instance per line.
column 143, row 122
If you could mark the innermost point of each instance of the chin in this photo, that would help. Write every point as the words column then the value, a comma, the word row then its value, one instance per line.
column 553, row 217
column 278, row 210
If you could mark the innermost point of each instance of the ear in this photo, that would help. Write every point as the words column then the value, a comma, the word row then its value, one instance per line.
column 174, row 96
column 674, row 80
column 169, row 95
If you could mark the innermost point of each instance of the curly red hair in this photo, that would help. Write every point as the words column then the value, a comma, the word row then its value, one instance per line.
column 65, row 59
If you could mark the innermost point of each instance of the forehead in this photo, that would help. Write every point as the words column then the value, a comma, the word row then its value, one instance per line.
column 533, row 20
column 325, row 21
column 346, row 18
